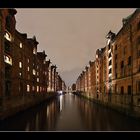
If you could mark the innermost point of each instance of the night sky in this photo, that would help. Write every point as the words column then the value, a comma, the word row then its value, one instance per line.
column 70, row 37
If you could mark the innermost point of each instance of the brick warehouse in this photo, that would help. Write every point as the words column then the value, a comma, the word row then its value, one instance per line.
column 23, row 70
column 115, row 78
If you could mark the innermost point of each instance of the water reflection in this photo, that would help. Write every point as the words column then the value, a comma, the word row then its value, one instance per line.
column 61, row 102
column 39, row 118
column 69, row 113
column 98, row 118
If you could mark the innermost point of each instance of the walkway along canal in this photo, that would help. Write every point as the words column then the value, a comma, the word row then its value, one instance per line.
column 69, row 113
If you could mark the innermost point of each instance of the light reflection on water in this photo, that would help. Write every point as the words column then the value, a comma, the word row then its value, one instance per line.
column 61, row 102
column 69, row 113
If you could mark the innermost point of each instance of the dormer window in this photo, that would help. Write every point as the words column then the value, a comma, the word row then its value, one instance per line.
column 8, row 59
column 20, row 45
column 8, row 36
column 34, row 51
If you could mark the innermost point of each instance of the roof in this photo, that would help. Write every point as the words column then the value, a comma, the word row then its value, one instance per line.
column 128, row 19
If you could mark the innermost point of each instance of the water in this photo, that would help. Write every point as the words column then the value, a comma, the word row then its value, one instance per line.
column 70, row 113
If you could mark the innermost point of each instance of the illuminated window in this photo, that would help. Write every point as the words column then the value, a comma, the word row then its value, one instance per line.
column 28, row 60
column 37, row 73
column 34, row 72
column 20, row 64
column 8, row 59
column 20, row 74
column 28, row 88
column 37, row 79
column 28, row 69
column 20, row 45
column 34, row 51
column 8, row 36
column 37, row 88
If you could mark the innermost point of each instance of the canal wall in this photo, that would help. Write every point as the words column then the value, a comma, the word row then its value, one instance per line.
column 125, row 104
column 13, row 105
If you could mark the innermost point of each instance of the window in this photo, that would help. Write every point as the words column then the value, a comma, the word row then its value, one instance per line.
column 37, row 88
column 116, row 75
column 20, row 64
column 115, row 47
column 129, row 90
column 8, row 36
column 115, row 56
column 40, row 89
column 20, row 74
column 28, row 88
column 110, row 70
column 33, row 88
column 109, row 55
column 37, row 73
column 110, row 62
column 28, row 69
column 34, row 51
column 8, row 59
column 122, row 64
column 37, row 79
column 28, row 77
column 122, row 90
column 7, row 46
column 115, row 65
column 109, row 46
column 28, row 60
column 129, row 60
column 20, row 45
column 34, row 72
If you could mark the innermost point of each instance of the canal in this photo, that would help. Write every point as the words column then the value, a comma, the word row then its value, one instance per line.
column 69, row 113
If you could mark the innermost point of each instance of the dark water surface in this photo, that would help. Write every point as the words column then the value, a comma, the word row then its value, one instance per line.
column 70, row 113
